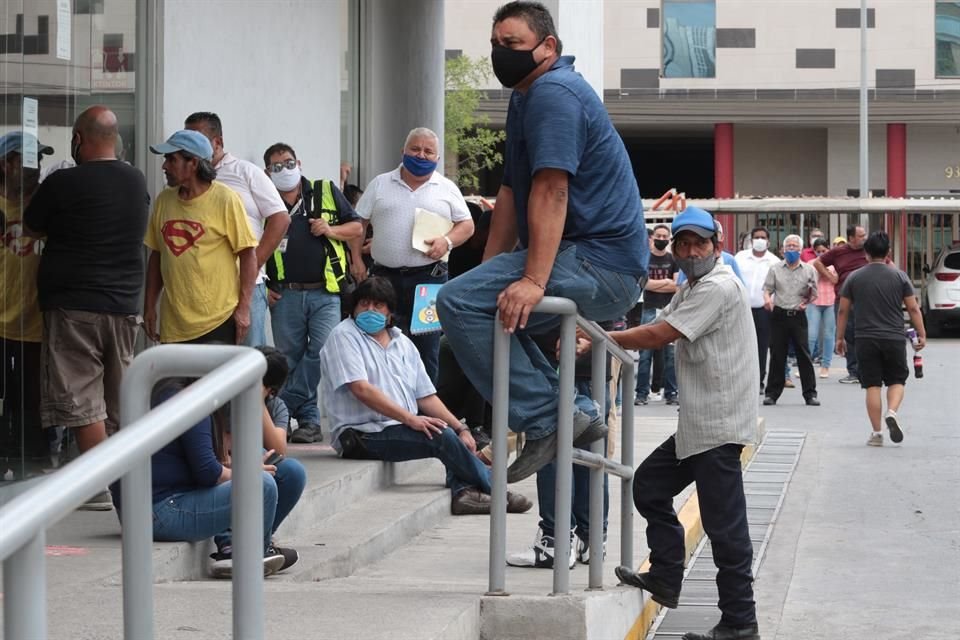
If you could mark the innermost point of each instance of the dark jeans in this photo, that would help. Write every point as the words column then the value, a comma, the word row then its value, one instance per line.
column 405, row 284
column 398, row 442
column 761, row 322
column 784, row 329
column 723, row 510
column 21, row 436
column 580, row 505
column 850, row 337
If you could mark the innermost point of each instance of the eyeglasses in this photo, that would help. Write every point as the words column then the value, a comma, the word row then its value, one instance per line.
column 277, row 167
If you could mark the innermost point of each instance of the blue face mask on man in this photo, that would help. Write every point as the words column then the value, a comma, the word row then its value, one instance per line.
column 371, row 321
column 791, row 256
column 419, row 166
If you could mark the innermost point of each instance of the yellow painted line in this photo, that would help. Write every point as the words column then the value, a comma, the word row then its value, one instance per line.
column 689, row 517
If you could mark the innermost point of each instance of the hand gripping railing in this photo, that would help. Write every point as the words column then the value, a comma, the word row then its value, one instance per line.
column 567, row 456
column 229, row 374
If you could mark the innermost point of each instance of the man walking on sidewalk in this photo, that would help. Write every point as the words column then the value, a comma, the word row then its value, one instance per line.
column 879, row 291
column 709, row 319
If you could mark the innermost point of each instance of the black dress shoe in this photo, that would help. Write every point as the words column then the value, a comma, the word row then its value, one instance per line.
column 768, row 401
column 812, row 401
column 659, row 592
column 723, row 632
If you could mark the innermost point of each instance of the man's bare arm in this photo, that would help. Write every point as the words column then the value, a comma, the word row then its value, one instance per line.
column 503, row 225
column 647, row 336
column 273, row 231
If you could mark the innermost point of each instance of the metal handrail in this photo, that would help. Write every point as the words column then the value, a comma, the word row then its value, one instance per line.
column 228, row 374
column 566, row 455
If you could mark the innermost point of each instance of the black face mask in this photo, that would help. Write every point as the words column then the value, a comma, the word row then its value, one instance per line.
column 661, row 244
column 511, row 66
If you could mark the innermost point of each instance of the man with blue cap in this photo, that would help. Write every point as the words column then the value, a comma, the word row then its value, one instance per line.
column 21, row 326
column 202, row 250
column 710, row 322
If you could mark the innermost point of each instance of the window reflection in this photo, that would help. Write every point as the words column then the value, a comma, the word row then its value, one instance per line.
column 689, row 39
column 948, row 39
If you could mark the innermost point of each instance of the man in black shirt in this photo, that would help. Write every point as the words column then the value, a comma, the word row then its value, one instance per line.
column 307, row 274
column 660, row 288
column 91, row 277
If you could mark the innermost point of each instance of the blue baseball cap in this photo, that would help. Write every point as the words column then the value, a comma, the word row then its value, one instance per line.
column 694, row 219
column 13, row 141
column 192, row 142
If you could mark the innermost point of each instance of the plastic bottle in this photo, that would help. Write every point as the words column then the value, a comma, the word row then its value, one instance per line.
column 917, row 366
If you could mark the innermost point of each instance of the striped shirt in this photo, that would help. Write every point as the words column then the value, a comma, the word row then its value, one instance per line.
column 716, row 363
column 791, row 287
column 350, row 355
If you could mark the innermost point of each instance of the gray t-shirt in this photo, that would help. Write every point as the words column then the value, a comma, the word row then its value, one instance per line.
column 877, row 292
column 716, row 363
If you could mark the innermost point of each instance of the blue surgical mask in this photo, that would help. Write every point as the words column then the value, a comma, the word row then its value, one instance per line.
column 371, row 321
column 791, row 256
column 419, row 166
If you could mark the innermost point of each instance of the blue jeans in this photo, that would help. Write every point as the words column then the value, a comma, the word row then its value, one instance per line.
column 257, row 335
column 399, row 442
column 723, row 509
column 301, row 322
column 467, row 306
column 643, row 366
column 580, row 505
column 196, row 515
column 819, row 315
column 405, row 284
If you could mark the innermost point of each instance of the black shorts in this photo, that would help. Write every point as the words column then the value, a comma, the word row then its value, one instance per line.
column 881, row 362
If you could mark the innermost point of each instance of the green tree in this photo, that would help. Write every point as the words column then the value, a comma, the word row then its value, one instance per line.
column 467, row 139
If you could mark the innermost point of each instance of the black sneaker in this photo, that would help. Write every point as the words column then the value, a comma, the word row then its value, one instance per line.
column 673, row 400
column 659, row 593
column 537, row 453
column 290, row 556
column 540, row 555
column 306, row 433
column 767, row 401
column 222, row 567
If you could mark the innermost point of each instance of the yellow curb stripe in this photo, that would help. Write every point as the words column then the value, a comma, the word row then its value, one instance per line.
column 689, row 517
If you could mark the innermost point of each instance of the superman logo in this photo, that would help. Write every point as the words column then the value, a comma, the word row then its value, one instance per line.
column 180, row 235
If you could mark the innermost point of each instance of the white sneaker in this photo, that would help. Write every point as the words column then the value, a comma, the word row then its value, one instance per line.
column 655, row 397
column 875, row 440
column 893, row 427
column 583, row 549
column 540, row 555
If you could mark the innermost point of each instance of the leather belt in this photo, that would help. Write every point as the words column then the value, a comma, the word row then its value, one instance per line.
column 405, row 270
column 298, row 286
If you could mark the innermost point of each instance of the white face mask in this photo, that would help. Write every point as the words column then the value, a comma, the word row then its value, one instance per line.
column 287, row 179
column 759, row 244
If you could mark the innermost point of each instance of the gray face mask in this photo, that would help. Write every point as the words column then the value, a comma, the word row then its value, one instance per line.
column 696, row 268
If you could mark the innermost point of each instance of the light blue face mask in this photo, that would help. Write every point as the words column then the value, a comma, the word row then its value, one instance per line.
column 371, row 321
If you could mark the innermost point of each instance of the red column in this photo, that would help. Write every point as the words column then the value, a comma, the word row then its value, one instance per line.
column 896, row 160
column 897, row 180
column 723, row 177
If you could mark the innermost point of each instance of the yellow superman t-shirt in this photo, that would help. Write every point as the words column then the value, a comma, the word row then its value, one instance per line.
column 19, row 260
column 198, row 241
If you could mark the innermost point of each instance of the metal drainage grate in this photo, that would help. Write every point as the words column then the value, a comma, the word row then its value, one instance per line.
column 765, row 483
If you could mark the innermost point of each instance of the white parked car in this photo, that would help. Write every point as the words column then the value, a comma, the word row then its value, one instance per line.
column 941, row 295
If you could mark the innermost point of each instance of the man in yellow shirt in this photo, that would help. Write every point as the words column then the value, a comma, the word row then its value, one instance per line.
column 21, row 329
column 202, row 250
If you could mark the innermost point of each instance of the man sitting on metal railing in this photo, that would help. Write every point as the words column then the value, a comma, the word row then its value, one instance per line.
column 382, row 405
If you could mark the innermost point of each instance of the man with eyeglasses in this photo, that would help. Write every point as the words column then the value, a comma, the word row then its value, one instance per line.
column 389, row 204
column 307, row 275
column 265, row 211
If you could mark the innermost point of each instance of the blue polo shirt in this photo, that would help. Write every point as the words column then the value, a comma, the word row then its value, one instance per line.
column 560, row 123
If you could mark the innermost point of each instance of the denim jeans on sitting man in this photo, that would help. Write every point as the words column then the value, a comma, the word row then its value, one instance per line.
column 467, row 306
column 646, row 357
column 399, row 442
column 301, row 322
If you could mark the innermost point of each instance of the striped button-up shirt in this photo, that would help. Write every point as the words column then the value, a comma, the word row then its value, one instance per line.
column 350, row 355
column 791, row 287
column 716, row 363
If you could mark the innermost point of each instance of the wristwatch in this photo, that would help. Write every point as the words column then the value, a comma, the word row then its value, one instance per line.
column 449, row 243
